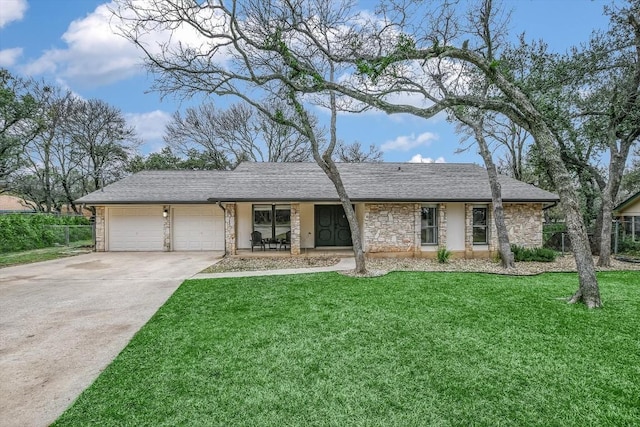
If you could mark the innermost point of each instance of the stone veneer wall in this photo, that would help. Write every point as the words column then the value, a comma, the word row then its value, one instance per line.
column 295, row 229
column 524, row 223
column 230, row 241
column 100, row 228
column 468, row 230
column 386, row 227
column 442, row 225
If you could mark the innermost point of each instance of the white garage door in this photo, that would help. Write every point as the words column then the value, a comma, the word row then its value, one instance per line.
column 136, row 229
column 198, row 228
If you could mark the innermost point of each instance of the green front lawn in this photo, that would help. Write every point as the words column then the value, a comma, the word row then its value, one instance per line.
column 45, row 254
column 406, row 349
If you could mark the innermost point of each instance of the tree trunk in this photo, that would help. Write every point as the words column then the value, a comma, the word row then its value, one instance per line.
column 604, row 259
column 330, row 168
column 609, row 194
column 588, row 291
column 504, row 247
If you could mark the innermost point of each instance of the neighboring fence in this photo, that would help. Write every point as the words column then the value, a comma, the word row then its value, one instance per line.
column 555, row 237
column 72, row 234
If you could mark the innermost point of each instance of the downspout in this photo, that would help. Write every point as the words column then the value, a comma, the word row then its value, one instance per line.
column 224, row 224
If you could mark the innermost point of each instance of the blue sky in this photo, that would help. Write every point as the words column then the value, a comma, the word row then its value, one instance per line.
column 68, row 42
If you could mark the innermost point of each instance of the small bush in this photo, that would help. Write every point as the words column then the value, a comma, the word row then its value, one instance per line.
column 532, row 254
column 443, row 255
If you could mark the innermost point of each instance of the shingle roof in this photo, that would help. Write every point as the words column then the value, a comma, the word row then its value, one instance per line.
column 423, row 182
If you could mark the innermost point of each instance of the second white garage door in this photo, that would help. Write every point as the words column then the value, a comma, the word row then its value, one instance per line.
column 198, row 228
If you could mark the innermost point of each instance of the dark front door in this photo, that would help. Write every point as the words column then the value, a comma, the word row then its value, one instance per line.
column 332, row 227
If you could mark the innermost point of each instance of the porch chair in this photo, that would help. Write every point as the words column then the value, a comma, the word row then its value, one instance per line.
column 286, row 242
column 257, row 240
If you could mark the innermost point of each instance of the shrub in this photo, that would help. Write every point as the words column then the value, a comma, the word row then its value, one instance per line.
column 19, row 232
column 532, row 254
column 628, row 246
column 443, row 255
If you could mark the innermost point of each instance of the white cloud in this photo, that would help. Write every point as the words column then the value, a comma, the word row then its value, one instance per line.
column 96, row 55
column 408, row 142
column 8, row 57
column 12, row 10
column 419, row 159
column 149, row 126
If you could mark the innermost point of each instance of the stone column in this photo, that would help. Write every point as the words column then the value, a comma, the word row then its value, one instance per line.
column 100, row 229
column 167, row 228
column 295, row 229
column 417, row 227
column 468, row 239
column 442, row 225
column 230, row 242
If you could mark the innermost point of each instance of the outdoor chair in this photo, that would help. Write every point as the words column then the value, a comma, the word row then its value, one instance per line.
column 257, row 240
column 286, row 242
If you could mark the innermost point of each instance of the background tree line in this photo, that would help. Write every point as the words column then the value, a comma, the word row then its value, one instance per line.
column 56, row 147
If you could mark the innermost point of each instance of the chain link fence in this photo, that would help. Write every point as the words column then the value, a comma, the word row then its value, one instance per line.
column 71, row 235
column 625, row 237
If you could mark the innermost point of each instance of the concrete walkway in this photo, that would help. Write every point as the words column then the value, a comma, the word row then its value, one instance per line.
column 343, row 265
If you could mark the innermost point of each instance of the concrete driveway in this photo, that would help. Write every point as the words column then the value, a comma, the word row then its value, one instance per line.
column 62, row 322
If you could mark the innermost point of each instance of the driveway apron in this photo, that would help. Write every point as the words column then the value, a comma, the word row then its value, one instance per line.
column 62, row 322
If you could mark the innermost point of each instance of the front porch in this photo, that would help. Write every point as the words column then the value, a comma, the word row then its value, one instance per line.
column 304, row 252
column 389, row 229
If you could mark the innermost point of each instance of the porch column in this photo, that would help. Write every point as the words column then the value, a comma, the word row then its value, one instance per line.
column 167, row 228
column 295, row 229
column 417, row 229
column 100, row 228
column 442, row 225
column 230, row 244
column 468, row 228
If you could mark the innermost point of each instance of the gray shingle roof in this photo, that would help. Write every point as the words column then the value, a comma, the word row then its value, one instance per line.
column 262, row 182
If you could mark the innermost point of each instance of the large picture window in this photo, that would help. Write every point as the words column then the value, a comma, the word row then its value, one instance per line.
column 480, row 226
column 429, row 225
column 272, row 221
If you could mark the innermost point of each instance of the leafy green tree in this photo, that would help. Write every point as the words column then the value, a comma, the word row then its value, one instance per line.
column 80, row 145
column 165, row 159
column 18, row 122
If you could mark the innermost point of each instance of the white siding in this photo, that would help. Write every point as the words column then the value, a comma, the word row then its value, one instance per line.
column 307, row 225
column 455, row 226
column 244, row 224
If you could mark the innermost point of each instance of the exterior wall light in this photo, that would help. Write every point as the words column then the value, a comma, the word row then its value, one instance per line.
column 165, row 213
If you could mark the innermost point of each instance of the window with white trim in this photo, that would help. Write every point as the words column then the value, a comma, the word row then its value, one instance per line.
column 480, row 225
column 429, row 225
